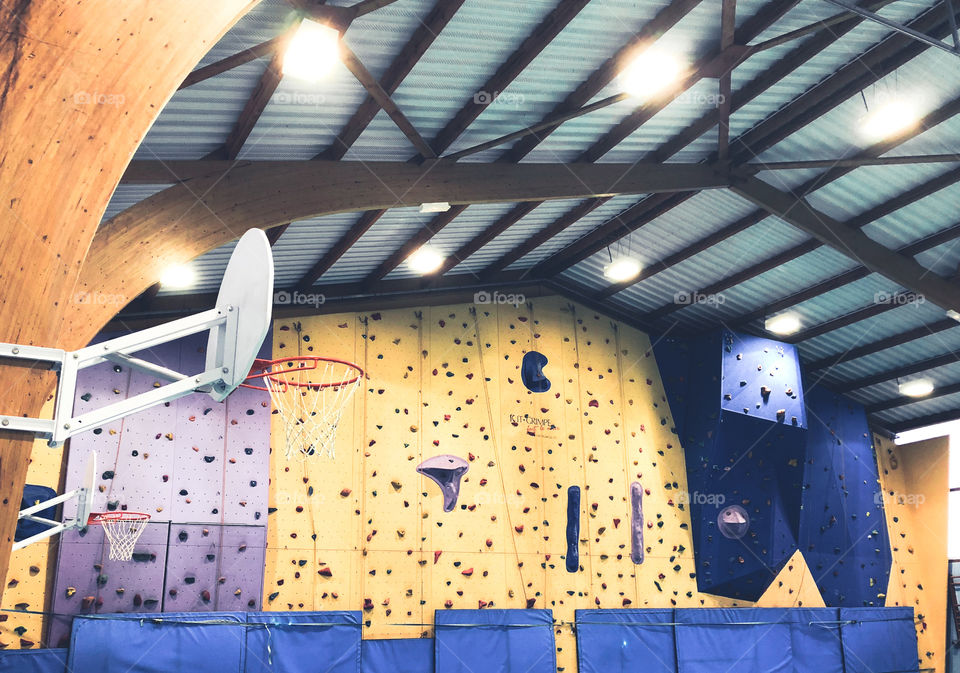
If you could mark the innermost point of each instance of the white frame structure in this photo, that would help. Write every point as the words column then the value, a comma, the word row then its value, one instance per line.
column 222, row 359
column 84, row 496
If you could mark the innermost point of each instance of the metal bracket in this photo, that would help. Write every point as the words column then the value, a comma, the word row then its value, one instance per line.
column 56, row 527
column 222, row 322
column 906, row 30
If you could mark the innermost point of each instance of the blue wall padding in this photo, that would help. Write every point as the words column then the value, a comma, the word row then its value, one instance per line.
column 879, row 640
column 721, row 640
column 402, row 655
column 33, row 661
column 32, row 495
column 573, row 529
column 843, row 530
column 296, row 642
column 614, row 641
column 494, row 641
column 122, row 643
column 800, row 640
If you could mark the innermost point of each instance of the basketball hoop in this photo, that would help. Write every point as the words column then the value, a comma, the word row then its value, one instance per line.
column 309, row 393
column 123, row 529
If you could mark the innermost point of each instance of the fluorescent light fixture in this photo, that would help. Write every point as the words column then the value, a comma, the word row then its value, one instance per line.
column 916, row 387
column 953, row 315
column 425, row 260
column 650, row 72
column 785, row 323
column 622, row 269
column 889, row 119
column 178, row 277
column 435, row 207
column 312, row 52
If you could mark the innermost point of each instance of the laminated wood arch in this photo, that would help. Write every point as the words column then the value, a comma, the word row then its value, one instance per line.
column 80, row 84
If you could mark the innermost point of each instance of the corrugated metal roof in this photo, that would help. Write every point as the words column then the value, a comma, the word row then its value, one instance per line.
column 301, row 120
column 125, row 196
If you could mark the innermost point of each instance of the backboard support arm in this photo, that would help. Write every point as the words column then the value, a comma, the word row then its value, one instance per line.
column 223, row 324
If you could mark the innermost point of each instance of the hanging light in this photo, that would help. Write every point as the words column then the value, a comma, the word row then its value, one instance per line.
column 889, row 119
column 178, row 277
column 650, row 72
column 916, row 387
column 425, row 260
column 312, row 52
column 622, row 269
column 785, row 323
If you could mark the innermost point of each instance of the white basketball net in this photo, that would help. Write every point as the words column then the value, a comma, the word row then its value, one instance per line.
column 311, row 411
column 123, row 534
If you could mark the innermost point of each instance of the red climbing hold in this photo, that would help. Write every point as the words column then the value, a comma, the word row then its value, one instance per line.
column 467, row 572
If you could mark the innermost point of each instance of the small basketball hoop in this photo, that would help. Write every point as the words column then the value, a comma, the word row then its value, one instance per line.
column 123, row 529
column 309, row 393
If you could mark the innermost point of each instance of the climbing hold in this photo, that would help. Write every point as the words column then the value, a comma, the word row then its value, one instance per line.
column 636, row 522
column 573, row 529
column 445, row 471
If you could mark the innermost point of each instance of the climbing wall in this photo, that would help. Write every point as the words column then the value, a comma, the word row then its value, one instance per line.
column 915, row 482
column 191, row 460
column 31, row 568
column 445, row 390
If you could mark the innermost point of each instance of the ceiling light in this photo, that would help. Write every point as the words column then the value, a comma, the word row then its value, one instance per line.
column 177, row 277
column 785, row 323
column 650, row 72
column 622, row 269
column 916, row 387
column 889, row 120
column 435, row 207
column 312, row 52
column 425, row 260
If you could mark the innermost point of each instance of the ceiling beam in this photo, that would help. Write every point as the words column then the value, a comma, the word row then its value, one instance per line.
column 755, row 168
column 383, row 99
column 538, row 40
column 502, row 223
column 852, row 275
column 814, row 27
column 421, row 39
column 728, row 18
column 882, row 344
column 437, row 222
column 241, row 195
column 899, row 372
column 366, row 6
column 851, row 241
column 274, row 233
column 330, row 257
column 903, row 400
column 256, row 103
column 231, row 62
column 924, row 421
column 601, row 237
column 897, row 300
column 936, row 117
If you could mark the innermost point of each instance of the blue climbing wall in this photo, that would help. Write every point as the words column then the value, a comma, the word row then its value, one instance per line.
column 843, row 530
column 743, row 433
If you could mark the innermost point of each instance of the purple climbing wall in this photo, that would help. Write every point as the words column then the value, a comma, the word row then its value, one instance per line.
column 192, row 460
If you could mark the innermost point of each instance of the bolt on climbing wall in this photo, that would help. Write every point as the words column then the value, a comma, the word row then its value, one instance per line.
column 32, row 567
column 449, row 390
column 191, row 460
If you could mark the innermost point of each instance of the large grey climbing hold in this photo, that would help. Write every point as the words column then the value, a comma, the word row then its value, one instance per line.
column 636, row 522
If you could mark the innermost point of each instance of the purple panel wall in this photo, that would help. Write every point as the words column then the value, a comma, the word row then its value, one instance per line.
column 192, row 460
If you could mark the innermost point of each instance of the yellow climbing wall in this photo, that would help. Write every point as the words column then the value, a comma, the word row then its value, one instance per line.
column 915, row 482
column 31, row 568
column 367, row 530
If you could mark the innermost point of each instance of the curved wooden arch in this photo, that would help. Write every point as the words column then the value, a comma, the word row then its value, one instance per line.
column 80, row 84
column 219, row 200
